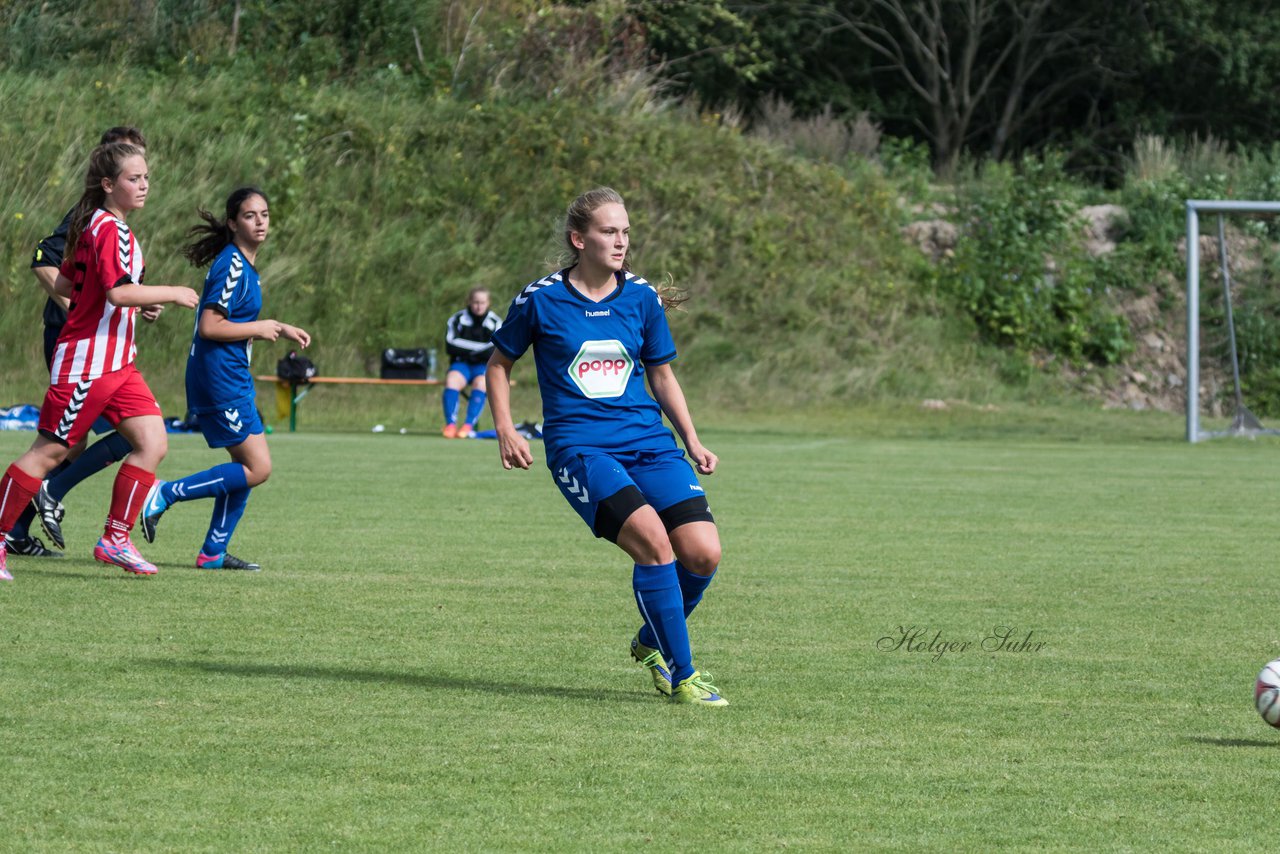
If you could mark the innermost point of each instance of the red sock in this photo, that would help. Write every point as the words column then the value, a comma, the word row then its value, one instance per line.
column 17, row 488
column 127, row 496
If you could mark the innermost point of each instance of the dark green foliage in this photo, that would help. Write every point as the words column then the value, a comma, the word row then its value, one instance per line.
column 1118, row 69
column 720, row 56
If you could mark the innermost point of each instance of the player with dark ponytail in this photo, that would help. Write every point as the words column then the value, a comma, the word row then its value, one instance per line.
column 220, row 388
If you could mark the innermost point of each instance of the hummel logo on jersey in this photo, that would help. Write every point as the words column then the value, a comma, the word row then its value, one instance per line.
column 73, row 409
column 533, row 287
column 604, row 313
column 233, row 279
column 126, row 248
column 572, row 487
column 233, row 419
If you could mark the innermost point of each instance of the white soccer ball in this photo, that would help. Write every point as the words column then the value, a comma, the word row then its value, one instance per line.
column 378, row 428
column 1266, row 693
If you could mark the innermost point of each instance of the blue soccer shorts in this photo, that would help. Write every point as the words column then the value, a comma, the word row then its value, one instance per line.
column 588, row 477
column 228, row 426
column 469, row 370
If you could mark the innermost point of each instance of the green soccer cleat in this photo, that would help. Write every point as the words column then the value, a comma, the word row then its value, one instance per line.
column 652, row 659
column 697, row 690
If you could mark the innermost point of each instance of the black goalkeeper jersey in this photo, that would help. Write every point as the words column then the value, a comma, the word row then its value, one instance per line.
column 49, row 253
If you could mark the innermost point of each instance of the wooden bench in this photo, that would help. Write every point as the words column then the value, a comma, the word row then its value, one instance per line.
column 298, row 390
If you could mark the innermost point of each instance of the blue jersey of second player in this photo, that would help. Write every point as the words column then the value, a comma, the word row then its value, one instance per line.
column 591, row 358
column 218, row 371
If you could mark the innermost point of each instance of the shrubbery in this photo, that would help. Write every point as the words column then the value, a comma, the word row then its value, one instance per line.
column 1021, row 272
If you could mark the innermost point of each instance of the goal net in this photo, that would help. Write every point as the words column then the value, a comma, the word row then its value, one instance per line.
column 1233, row 321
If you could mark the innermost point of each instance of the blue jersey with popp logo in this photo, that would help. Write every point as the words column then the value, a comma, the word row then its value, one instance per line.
column 591, row 358
column 218, row 372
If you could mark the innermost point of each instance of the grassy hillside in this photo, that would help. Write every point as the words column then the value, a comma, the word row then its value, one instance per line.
column 415, row 149
column 391, row 198
column 388, row 205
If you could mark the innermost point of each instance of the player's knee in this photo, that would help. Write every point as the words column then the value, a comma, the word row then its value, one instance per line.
column 155, row 447
column 42, row 458
column 703, row 562
column 258, row 474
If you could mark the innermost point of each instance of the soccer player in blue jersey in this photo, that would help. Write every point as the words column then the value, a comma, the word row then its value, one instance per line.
column 219, row 383
column 598, row 332
column 468, row 341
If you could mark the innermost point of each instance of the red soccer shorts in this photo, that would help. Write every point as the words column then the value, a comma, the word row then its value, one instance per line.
column 70, row 409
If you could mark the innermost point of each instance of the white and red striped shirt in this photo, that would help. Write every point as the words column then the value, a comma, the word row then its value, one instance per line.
column 98, row 336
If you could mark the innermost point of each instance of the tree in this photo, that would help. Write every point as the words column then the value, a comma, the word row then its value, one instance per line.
column 978, row 70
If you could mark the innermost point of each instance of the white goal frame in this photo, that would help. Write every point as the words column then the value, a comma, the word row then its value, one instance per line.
column 1194, row 208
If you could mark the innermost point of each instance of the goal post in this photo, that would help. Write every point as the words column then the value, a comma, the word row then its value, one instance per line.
column 1195, row 207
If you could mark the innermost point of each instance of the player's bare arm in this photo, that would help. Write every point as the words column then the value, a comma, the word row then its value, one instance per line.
column 141, row 296
column 215, row 326
column 48, row 279
column 63, row 288
column 297, row 334
column 513, row 449
column 670, row 396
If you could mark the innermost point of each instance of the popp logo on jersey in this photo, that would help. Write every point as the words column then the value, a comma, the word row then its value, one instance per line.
column 601, row 368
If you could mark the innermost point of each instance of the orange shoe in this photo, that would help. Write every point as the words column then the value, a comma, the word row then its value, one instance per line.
column 466, row 431
column 450, row 431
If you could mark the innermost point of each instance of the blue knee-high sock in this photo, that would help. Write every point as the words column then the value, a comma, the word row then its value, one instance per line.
column 658, row 598
column 227, row 510
column 109, row 449
column 692, row 586
column 220, row 480
column 450, row 402
column 475, row 406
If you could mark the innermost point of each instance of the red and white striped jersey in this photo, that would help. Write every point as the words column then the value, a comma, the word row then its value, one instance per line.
column 98, row 336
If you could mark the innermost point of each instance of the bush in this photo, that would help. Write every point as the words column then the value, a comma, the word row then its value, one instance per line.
column 1020, row 269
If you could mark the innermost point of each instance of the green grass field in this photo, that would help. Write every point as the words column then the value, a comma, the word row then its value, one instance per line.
column 434, row 656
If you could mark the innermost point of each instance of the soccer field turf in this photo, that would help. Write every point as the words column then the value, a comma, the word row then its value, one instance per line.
column 435, row 657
